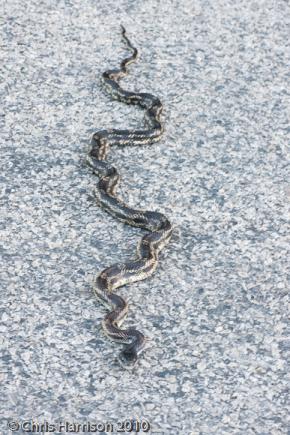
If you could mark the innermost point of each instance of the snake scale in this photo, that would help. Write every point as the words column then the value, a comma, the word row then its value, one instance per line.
column 158, row 226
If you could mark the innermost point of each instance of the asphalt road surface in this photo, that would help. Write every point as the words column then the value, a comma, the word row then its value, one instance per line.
column 216, row 310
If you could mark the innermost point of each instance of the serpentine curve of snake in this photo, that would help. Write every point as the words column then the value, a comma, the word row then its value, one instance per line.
column 158, row 226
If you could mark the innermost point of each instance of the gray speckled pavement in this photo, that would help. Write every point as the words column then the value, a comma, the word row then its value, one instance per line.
column 216, row 310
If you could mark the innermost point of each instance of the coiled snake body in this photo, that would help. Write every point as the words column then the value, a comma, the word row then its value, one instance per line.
column 157, row 224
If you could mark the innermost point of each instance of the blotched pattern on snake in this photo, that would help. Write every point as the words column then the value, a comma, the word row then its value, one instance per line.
column 158, row 226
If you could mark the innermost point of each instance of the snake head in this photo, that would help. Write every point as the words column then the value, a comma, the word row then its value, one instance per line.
column 128, row 357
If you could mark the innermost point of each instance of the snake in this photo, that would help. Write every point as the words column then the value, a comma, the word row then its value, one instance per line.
column 158, row 227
